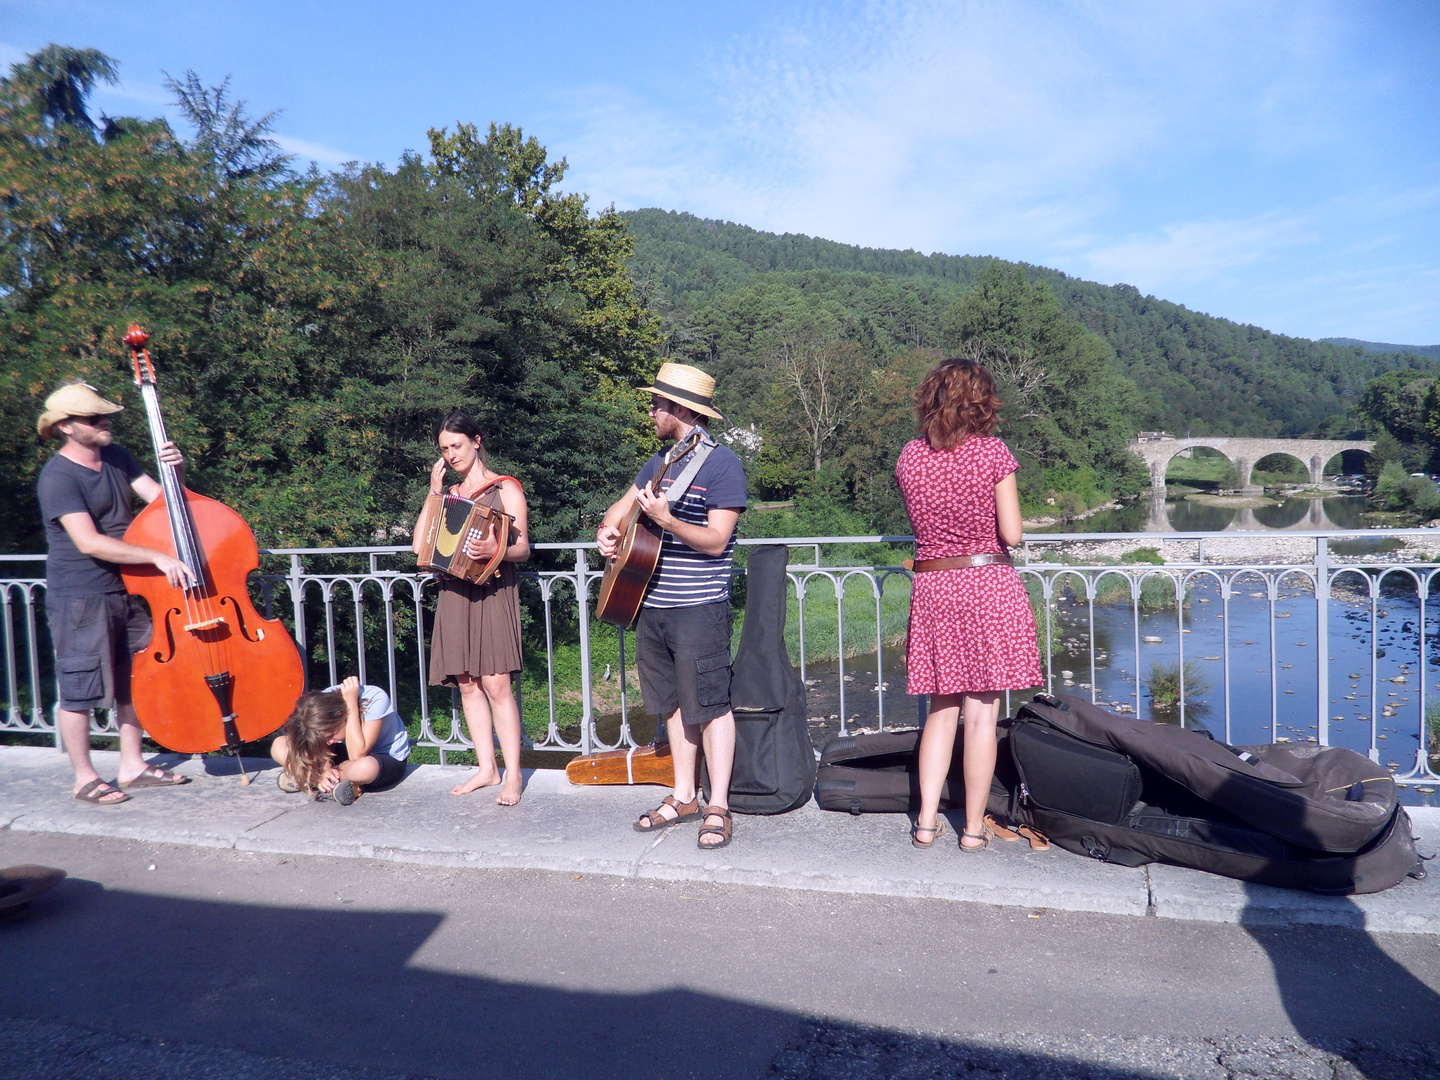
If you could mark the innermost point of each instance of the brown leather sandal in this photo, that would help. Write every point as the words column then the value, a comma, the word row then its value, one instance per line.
column 722, row 831
column 1038, row 840
column 985, row 835
column 654, row 820
column 938, row 830
column 100, row 793
column 1000, row 831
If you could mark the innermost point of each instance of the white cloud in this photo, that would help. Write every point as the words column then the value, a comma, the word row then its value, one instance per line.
column 1199, row 251
column 1186, row 149
column 312, row 151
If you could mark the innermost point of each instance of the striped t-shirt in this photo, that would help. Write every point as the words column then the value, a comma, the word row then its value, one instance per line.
column 686, row 577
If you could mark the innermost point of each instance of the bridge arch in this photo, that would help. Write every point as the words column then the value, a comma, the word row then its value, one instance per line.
column 1157, row 451
column 1349, row 462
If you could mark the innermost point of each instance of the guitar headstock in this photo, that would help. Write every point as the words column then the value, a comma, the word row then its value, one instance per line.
column 136, row 338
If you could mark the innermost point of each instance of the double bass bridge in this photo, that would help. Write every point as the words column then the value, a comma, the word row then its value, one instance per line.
column 204, row 624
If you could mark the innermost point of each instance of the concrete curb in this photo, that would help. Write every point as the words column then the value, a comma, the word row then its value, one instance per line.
column 563, row 828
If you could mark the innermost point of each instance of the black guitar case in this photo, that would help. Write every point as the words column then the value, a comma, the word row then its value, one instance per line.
column 774, row 768
column 1132, row 792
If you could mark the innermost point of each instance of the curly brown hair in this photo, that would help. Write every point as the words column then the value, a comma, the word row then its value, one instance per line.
column 956, row 399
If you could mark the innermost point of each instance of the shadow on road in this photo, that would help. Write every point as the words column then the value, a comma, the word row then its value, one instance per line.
column 344, row 990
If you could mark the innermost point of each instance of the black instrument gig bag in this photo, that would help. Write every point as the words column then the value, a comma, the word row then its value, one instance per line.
column 774, row 770
column 1094, row 800
column 879, row 774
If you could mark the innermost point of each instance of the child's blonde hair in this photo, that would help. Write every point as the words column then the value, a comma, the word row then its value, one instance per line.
column 317, row 717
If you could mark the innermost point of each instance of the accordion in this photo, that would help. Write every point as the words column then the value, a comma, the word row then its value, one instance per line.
column 448, row 525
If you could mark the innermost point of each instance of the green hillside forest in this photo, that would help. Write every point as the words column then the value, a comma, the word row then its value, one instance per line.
column 310, row 327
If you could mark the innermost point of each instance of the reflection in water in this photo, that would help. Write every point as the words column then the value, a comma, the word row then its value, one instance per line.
column 1285, row 516
column 1181, row 515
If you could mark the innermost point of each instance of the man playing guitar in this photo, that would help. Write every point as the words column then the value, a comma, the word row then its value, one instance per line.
column 682, row 634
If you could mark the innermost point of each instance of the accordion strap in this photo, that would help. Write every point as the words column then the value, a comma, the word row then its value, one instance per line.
column 455, row 489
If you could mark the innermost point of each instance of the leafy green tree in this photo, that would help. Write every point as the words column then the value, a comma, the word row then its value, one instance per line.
column 309, row 330
column 1065, row 402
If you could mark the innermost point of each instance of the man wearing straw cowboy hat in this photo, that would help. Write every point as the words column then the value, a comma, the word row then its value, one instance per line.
column 95, row 626
column 682, row 635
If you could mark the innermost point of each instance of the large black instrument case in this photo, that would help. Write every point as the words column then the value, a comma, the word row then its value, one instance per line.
column 878, row 774
column 1125, row 791
column 1324, row 798
column 774, row 769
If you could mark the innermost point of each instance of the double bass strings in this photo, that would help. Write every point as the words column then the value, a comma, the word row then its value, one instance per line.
column 200, row 609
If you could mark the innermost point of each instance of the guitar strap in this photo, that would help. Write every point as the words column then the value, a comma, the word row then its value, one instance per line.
column 681, row 483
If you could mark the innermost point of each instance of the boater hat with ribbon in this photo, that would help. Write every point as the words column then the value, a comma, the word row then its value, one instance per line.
column 76, row 399
column 686, row 385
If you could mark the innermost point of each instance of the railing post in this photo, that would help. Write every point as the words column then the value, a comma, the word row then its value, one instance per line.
column 582, row 603
column 297, row 596
column 1322, row 639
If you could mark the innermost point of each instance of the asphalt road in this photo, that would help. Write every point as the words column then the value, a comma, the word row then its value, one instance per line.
column 183, row 962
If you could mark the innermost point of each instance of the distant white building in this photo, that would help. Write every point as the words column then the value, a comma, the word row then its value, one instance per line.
column 747, row 438
column 1153, row 436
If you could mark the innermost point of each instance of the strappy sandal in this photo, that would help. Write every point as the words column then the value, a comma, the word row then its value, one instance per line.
column 985, row 835
column 938, row 829
column 91, row 793
column 1000, row 831
column 1038, row 840
column 722, row 831
column 654, row 820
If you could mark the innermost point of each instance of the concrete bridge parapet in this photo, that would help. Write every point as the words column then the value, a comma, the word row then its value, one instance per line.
column 1244, row 453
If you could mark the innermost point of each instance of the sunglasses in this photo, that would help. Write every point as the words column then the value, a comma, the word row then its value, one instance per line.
column 90, row 421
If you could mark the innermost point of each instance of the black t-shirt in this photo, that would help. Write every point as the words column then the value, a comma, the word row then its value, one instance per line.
column 67, row 488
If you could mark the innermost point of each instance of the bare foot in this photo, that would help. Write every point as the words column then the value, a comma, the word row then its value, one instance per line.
column 510, row 793
column 480, row 778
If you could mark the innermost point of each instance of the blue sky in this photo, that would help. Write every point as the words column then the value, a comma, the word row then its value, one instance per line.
column 1271, row 163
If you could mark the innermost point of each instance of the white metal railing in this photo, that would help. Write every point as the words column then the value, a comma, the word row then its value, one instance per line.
column 365, row 611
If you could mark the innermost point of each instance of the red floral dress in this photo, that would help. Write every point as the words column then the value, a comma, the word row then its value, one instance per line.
column 971, row 630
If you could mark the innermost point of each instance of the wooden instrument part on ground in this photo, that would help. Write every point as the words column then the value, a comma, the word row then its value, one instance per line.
column 216, row 673
column 629, row 570
column 449, row 523
column 642, row 765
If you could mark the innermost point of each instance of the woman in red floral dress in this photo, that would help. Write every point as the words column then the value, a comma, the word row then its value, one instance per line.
column 972, row 633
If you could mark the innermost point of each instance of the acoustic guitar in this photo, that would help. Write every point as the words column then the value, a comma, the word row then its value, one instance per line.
column 629, row 570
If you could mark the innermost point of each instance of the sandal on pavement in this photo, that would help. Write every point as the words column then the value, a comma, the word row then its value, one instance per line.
column 652, row 820
column 92, row 793
column 938, row 830
column 985, row 835
column 722, row 831
column 1000, row 831
column 1038, row 840
column 155, row 776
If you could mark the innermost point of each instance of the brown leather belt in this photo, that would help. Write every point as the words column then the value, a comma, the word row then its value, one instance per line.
column 960, row 562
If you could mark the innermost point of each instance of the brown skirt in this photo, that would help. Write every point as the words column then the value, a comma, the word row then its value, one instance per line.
column 477, row 628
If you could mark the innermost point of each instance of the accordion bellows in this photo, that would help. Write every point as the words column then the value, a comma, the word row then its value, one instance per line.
column 448, row 524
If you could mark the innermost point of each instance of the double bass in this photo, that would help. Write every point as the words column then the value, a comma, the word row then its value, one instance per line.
column 216, row 673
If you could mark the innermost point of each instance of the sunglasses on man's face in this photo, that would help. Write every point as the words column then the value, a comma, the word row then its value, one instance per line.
column 90, row 421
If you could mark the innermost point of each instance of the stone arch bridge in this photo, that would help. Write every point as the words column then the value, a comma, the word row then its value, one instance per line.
column 1244, row 453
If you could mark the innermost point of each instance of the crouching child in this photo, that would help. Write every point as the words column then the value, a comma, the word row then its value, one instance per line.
column 341, row 740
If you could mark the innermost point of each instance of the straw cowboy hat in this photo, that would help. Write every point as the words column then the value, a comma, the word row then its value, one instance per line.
column 686, row 385
column 75, row 399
